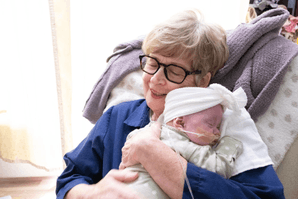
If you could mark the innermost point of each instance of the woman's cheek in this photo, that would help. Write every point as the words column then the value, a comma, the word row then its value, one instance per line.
column 146, row 80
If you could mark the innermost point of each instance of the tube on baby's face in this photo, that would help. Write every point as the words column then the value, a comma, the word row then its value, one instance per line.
column 202, row 137
column 203, row 127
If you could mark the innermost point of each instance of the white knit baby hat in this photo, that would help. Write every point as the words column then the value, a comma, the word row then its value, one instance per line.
column 189, row 100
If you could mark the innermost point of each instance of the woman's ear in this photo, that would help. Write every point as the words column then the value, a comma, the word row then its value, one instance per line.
column 204, row 82
column 178, row 123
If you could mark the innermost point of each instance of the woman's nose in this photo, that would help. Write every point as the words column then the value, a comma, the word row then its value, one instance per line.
column 159, row 76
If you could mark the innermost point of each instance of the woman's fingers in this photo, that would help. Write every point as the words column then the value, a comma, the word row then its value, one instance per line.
column 132, row 149
column 121, row 166
column 111, row 186
column 124, row 175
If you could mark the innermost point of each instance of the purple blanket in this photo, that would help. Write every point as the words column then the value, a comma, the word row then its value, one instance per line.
column 258, row 61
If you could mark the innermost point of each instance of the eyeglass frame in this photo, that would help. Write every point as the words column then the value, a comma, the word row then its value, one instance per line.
column 196, row 72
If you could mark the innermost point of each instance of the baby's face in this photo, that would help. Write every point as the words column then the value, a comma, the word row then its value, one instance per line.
column 206, row 124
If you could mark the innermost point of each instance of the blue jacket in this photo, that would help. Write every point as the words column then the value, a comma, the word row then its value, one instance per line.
column 100, row 152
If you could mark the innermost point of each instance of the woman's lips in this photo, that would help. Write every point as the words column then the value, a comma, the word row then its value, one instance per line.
column 156, row 95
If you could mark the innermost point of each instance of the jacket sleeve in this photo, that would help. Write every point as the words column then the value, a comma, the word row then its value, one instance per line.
column 256, row 183
column 82, row 170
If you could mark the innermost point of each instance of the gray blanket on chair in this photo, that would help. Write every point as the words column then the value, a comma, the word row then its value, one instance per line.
column 258, row 60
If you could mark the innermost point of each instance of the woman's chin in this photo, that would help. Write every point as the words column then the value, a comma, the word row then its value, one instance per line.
column 156, row 105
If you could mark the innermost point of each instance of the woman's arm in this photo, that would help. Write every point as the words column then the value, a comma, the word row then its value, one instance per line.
column 82, row 176
column 160, row 161
column 89, row 165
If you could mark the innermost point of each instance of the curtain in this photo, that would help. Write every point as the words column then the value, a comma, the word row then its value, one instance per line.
column 35, row 82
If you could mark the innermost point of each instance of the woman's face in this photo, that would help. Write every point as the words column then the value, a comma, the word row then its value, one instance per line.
column 156, row 86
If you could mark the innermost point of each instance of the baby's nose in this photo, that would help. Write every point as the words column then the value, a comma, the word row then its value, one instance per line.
column 216, row 131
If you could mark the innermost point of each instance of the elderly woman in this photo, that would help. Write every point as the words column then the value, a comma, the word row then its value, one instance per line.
column 182, row 52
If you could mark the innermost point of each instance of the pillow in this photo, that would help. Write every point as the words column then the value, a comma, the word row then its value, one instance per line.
column 278, row 126
column 130, row 88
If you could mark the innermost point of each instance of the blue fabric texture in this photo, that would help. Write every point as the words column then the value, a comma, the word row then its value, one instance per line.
column 257, row 183
column 100, row 152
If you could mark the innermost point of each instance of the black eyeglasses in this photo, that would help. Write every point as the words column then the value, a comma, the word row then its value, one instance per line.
column 173, row 73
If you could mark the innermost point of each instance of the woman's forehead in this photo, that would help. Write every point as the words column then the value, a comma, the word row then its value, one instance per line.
column 172, row 60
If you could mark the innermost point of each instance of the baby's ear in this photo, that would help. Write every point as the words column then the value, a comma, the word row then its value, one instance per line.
column 178, row 123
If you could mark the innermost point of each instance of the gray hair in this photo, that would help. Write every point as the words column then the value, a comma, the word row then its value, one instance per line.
column 187, row 36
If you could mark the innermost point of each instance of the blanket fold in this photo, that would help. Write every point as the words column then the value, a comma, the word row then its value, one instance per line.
column 258, row 61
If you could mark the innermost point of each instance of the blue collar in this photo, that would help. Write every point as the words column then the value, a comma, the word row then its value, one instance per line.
column 140, row 116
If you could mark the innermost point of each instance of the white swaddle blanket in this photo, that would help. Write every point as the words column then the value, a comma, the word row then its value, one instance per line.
column 236, row 121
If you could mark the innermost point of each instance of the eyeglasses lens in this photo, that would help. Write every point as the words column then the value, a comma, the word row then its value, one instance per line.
column 172, row 73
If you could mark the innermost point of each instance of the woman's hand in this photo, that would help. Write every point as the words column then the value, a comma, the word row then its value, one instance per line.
column 131, row 149
column 160, row 161
column 111, row 186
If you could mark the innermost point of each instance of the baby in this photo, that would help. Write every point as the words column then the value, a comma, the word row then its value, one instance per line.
column 190, row 126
